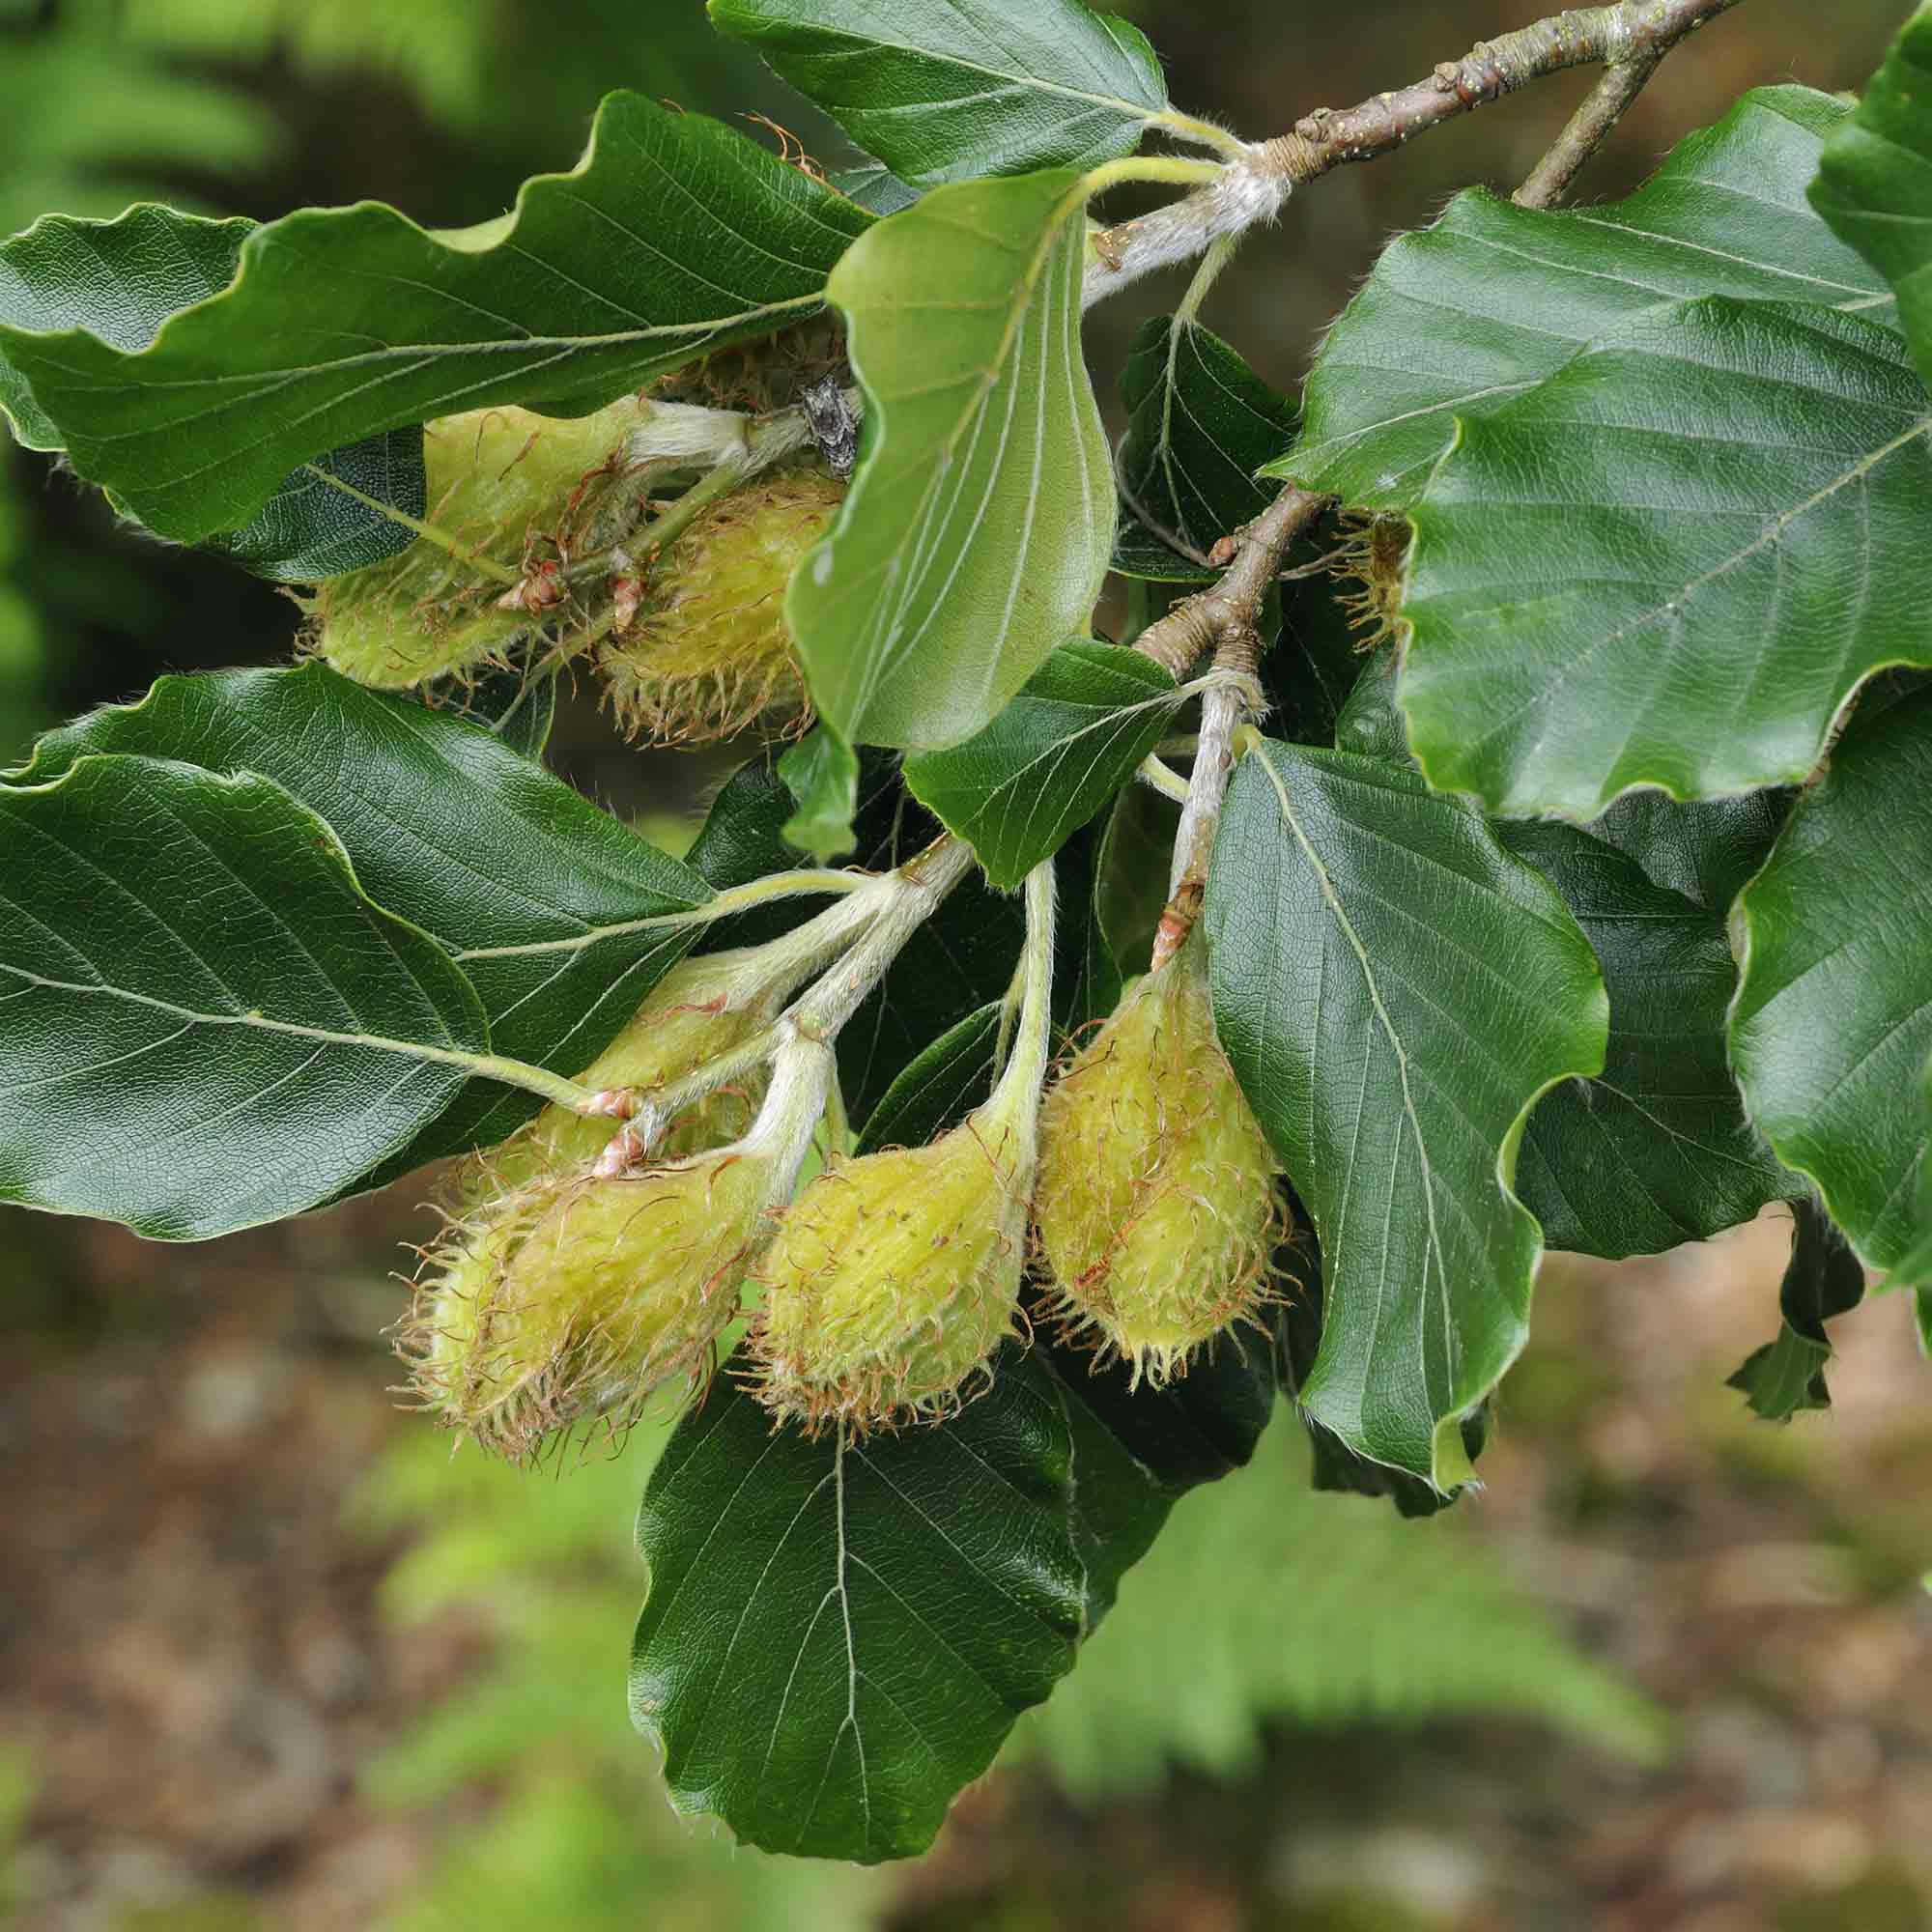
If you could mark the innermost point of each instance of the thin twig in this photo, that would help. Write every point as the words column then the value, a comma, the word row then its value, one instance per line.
column 1589, row 129
column 1632, row 34
column 1232, row 610
column 1226, row 619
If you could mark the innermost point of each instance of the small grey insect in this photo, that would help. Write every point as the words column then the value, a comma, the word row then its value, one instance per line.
column 834, row 422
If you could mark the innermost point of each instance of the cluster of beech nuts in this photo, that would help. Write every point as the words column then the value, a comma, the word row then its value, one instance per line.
column 1138, row 1190
column 595, row 1256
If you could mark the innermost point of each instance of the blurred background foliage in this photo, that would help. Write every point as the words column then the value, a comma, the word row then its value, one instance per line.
column 1302, row 1713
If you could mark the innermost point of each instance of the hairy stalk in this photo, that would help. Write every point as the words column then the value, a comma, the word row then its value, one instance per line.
column 805, row 882
column 923, row 883
column 1630, row 37
column 802, row 954
column 1227, row 619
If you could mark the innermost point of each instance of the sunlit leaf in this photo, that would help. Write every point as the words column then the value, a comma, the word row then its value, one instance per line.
column 1672, row 564
column 942, row 90
column 1460, row 317
column 1874, row 182
column 975, row 535
column 1832, row 1027
column 675, row 235
column 1396, row 992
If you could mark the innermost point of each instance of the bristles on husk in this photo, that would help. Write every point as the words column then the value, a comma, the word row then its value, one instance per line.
column 1374, row 553
column 892, row 1279
column 709, row 652
column 1155, row 1204
column 569, row 1303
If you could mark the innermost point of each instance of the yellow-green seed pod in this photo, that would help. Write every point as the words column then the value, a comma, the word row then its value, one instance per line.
column 894, row 1277
column 500, row 482
column 698, row 1011
column 571, row 1302
column 708, row 652
column 1156, row 1203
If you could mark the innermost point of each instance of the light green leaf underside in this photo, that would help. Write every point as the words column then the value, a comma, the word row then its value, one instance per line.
column 1672, row 564
column 1460, row 318
column 673, row 236
column 1017, row 790
column 1396, row 992
column 975, row 535
column 1874, row 183
column 1833, row 1028
column 122, row 279
column 822, row 771
column 1655, row 1150
column 207, row 1023
column 561, row 918
column 944, row 90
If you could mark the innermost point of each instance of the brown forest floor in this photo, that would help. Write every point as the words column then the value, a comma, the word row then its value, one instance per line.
column 193, row 1656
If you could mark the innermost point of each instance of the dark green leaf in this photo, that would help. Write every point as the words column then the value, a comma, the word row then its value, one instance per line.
column 208, row 1023
column 1915, row 1269
column 839, row 1635
column 1051, row 759
column 939, row 1088
column 1459, row 318
column 1297, row 1325
column 1136, row 854
column 1874, row 181
column 1396, row 992
column 310, row 530
column 122, row 281
column 674, row 235
column 743, row 834
column 1832, row 1027
column 1655, row 1150
column 1318, row 663
column 543, row 900
column 1140, row 556
column 1824, row 1279
column 975, row 535
column 1136, row 1452
column 1369, row 721
column 1672, row 564
column 512, row 705
column 941, row 90
column 821, row 772
column 1707, row 851
column 1200, row 424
